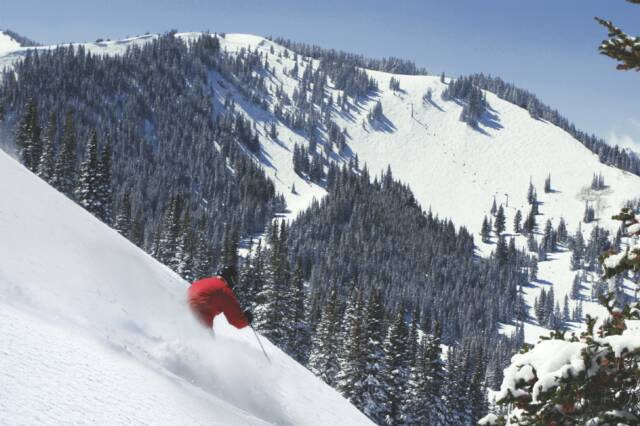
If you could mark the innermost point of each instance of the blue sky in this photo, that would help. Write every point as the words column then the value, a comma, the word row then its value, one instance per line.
column 546, row 46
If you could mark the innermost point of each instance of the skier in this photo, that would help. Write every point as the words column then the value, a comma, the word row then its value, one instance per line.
column 209, row 297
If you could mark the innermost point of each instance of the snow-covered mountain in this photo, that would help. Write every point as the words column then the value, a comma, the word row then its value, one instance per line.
column 94, row 330
column 455, row 170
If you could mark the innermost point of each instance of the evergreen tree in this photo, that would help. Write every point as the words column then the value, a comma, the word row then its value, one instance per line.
column 547, row 184
column 87, row 189
column 323, row 359
column 123, row 222
column 27, row 137
column 46, row 162
column 301, row 338
column 517, row 221
column 350, row 377
column 621, row 46
column 485, row 231
column 65, row 167
column 576, row 287
column 374, row 393
column 184, row 257
column 529, row 225
column 531, row 193
column 105, row 192
column 170, row 232
column 500, row 221
column 396, row 367
column 561, row 232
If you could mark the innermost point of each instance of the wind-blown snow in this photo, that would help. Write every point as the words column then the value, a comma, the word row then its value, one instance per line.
column 95, row 331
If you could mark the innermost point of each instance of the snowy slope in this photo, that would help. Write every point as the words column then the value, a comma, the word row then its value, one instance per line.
column 94, row 331
column 452, row 169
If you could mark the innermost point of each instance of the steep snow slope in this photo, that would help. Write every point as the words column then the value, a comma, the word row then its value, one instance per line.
column 95, row 331
column 7, row 44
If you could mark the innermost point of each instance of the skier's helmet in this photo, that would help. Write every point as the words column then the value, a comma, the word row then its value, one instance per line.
column 229, row 273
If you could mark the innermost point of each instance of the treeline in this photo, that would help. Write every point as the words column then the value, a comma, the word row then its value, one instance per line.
column 610, row 155
column 390, row 64
column 143, row 121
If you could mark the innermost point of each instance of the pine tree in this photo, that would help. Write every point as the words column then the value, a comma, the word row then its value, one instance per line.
column 500, row 221
column 323, row 359
column 27, row 137
column 477, row 392
column 252, row 276
column 202, row 262
column 529, row 225
column 485, row 231
column 46, row 162
column 105, row 191
column 396, row 367
column 170, row 232
column 137, row 230
column 87, row 189
column 576, row 287
column 350, row 377
column 374, row 392
column 531, row 193
column 123, row 222
column 184, row 257
column 273, row 316
column 517, row 220
column 547, row 184
column 621, row 46
column 300, row 341
column 65, row 167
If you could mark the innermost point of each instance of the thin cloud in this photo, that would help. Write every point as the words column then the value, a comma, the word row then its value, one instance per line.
column 624, row 140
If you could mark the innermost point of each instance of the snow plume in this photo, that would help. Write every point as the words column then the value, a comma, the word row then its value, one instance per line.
column 94, row 330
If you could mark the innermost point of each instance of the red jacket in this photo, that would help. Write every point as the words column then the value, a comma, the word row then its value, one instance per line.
column 210, row 296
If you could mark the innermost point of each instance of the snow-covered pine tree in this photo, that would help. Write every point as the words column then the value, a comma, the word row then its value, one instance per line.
column 184, row 257
column 396, row 366
column 456, row 386
column 123, row 221
column 202, row 262
column 374, row 393
column 350, row 377
column 46, row 163
column 27, row 137
column 169, row 233
column 415, row 409
column 65, row 166
column 323, row 358
column 87, row 191
column 105, row 191
column 274, row 310
column 301, row 338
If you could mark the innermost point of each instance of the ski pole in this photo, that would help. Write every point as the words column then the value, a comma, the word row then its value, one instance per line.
column 260, row 343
